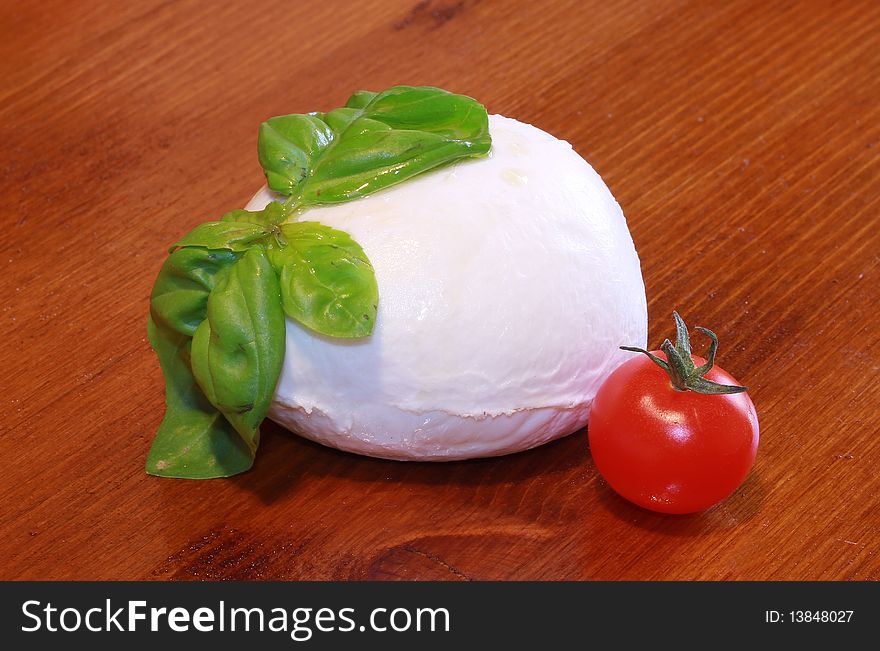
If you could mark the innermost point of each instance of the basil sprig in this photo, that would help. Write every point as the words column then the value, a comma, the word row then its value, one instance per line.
column 218, row 306
column 376, row 140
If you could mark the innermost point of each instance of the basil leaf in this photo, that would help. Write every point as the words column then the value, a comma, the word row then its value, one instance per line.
column 360, row 99
column 194, row 440
column 327, row 282
column 237, row 351
column 231, row 235
column 180, row 294
column 273, row 213
column 375, row 141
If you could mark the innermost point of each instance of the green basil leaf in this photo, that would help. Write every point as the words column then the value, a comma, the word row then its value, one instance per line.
column 375, row 141
column 237, row 351
column 327, row 282
column 231, row 235
column 194, row 440
column 180, row 294
column 273, row 213
column 360, row 99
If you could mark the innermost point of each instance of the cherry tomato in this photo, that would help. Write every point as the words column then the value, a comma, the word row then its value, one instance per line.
column 667, row 449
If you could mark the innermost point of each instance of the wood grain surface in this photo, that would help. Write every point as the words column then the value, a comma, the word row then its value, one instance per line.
column 741, row 139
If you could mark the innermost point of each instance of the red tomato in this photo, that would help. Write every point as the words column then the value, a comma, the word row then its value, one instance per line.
column 669, row 450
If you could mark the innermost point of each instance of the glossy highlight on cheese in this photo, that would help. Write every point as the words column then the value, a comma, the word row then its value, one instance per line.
column 506, row 285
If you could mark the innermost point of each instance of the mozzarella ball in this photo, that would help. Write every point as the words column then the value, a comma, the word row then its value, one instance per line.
column 506, row 285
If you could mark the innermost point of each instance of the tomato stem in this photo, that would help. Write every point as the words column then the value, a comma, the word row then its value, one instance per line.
column 679, row 363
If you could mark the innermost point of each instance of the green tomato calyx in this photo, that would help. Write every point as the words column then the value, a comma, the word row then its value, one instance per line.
column 679, row 364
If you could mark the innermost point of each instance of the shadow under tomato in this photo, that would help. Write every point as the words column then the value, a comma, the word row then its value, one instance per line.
column 741, row 506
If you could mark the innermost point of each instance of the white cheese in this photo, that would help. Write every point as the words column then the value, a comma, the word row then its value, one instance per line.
column 506, row 285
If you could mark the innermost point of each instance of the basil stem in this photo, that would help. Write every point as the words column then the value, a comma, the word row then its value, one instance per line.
column 230, row 235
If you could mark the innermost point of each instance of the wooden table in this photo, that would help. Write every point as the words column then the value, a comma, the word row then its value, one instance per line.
column 741, row 139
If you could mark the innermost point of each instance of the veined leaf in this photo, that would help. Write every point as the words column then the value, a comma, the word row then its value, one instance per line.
column 180, row 294
column 194, row 440
column 327, row 282
column 237, row 351
column 375, row 141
